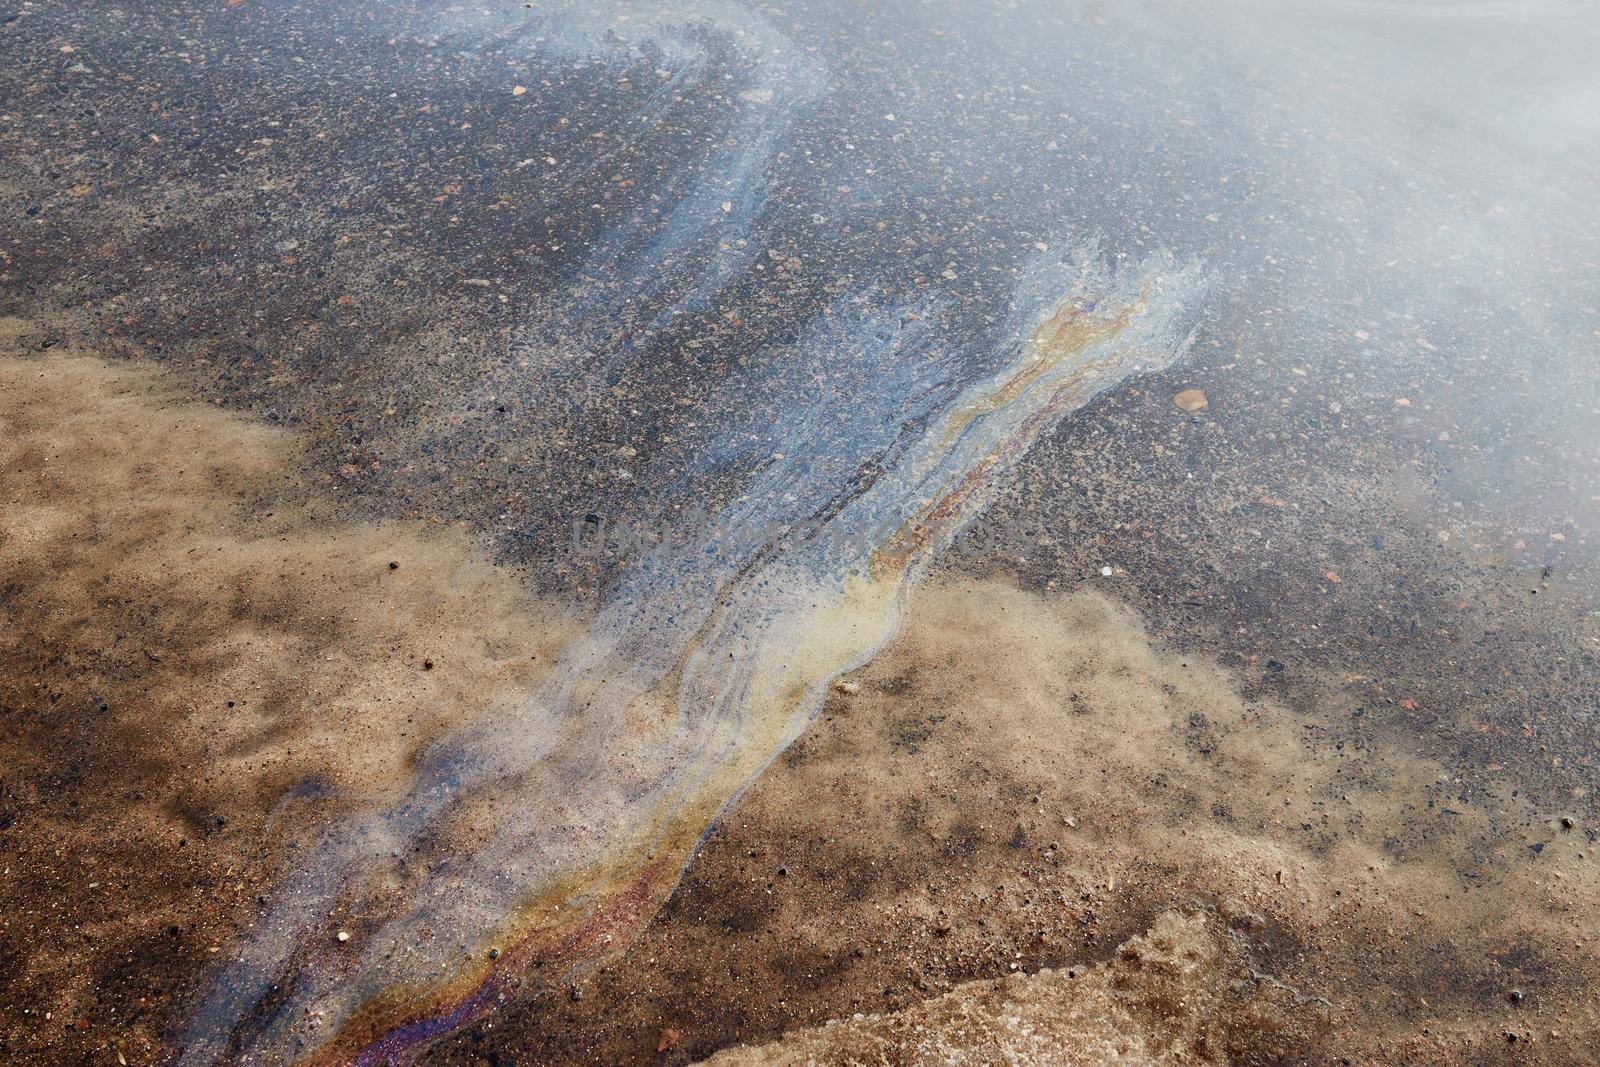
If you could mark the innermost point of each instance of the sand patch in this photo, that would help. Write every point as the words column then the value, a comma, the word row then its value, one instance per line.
column 199, row 658
column 1131, row 770
column 1175, row 995
column 1021, row 782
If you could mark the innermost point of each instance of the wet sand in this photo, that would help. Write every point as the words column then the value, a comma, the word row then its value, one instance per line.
column 1178, row 995
column 1024, row 781
column 200, row 664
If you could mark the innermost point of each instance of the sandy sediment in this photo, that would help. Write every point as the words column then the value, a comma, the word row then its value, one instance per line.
column 1128, row 773
column 1178, row 994
column 1022, row 782
column 199, row 659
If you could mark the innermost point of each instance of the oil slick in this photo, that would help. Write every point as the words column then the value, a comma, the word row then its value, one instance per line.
column 551, row 827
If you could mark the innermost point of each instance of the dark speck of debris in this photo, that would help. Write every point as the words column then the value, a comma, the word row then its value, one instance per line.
column 1515, row 996
column 427, row 664
column 394, row 566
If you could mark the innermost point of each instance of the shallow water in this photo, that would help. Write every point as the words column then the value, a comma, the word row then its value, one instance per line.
column 684, row 357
